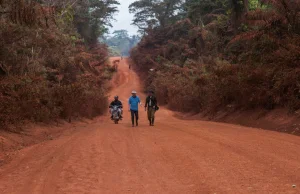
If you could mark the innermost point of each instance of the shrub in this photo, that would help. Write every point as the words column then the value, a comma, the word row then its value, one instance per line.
column 210, row 68
column 46, row 71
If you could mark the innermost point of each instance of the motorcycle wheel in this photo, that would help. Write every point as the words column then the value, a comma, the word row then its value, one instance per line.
column 116, row 121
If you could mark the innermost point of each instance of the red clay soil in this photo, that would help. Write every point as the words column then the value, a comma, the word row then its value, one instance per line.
column 12, row 142
column 175, row 156
column 276, row 120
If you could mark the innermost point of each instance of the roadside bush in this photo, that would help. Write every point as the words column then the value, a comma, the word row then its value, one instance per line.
column 211, row 68
column 46, row 71
column 24, row 99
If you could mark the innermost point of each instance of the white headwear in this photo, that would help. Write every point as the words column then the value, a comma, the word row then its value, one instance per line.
column 133, row 92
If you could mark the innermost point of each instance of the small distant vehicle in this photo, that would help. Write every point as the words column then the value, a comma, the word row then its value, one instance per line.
column 115, row 114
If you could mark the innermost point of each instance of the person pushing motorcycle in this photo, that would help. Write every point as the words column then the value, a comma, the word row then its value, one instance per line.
column 118, row 103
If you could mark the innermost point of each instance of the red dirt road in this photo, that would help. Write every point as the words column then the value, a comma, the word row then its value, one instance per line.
column 175, row 156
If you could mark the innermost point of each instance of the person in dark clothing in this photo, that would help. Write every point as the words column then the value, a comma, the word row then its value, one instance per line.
column 134, row 102
column 118, row 103
column 150, row 107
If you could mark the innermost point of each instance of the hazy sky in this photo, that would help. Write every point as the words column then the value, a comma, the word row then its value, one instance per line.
column 124, row 18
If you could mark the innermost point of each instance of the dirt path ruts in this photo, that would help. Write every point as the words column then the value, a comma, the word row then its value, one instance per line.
column 175, row 156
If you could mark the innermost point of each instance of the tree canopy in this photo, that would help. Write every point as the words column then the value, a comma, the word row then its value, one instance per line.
column 50, row 58
column 150, row 13
column 243, row 53
column 121, row 42
column 91, row 17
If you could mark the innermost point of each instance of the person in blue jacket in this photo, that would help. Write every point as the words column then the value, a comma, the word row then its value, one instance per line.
column 134, row 102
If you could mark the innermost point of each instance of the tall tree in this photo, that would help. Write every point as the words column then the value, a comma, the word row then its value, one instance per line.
column 150, row 13
column 236, row 9
column 246, row 5
column 197, row 9
column 94, row 18
column 121, row 41
column 121, row 34
column 91, row 17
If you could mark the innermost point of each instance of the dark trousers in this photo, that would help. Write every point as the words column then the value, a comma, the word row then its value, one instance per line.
column 136, row 114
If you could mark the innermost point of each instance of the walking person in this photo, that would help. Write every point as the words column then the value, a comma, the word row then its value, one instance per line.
column 134, row 102
column 151, row 107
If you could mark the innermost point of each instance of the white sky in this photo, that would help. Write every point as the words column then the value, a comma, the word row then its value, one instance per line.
column 124, row 18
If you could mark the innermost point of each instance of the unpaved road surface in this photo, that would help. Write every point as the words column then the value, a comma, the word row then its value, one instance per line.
column 175, row 156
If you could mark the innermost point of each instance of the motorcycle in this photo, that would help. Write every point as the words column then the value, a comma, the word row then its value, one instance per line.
column 115, row 114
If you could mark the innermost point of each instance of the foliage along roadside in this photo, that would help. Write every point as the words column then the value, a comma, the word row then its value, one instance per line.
column 219, row 54
column 47, row 72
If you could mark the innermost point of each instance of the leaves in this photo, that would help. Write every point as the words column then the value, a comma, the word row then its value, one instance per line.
column 121, row 42
column 46, row 70
column 151, row 13
column 241, row 54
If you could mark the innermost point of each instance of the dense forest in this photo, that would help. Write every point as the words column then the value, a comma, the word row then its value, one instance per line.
column 120, row 42
column 51, row 63
column 209, row 54
column 215, row 54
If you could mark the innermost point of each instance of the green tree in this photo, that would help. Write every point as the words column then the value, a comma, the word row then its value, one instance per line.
column 121, row 42
column 90, row 17
column 121, row 34
column 93, row 18
column 196, row 10
column 150, row 13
